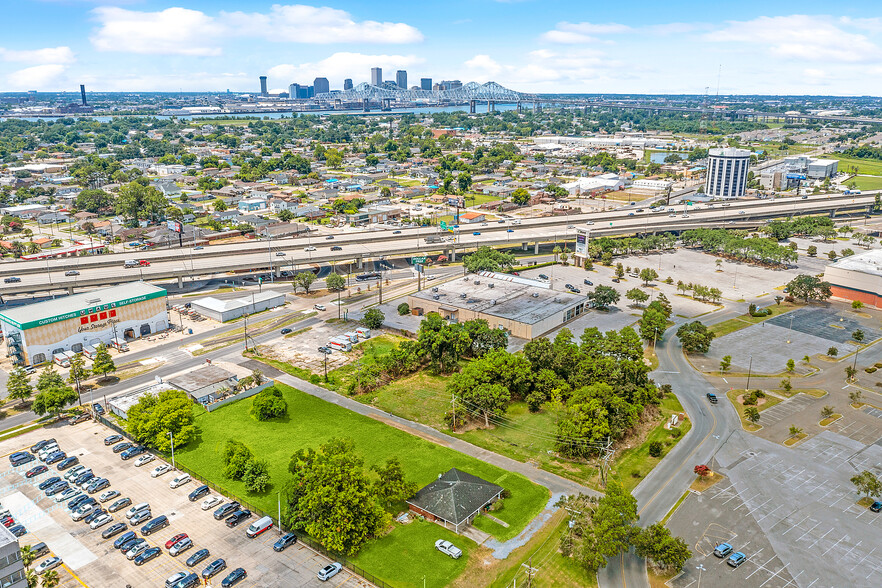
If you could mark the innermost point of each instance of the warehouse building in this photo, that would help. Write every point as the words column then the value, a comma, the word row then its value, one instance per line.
column 857, row 277
column 525, row 308
column 35, row 333
column 227, row 310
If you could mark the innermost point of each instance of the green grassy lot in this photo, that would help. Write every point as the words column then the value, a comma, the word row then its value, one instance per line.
column 867, row 182
column 745, row 320
column 864, row 166
column 420, row 398
column 748, row 426
column 632, row 465
column 313, row 421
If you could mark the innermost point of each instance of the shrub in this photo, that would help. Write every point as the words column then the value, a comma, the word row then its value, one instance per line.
column 878, row 365
column 676, row 432
column 403, row 309
column 701, row 470
column 315, row 379
column 870, row 370
column 655, row 448
column 269, row 404
column 256, row 476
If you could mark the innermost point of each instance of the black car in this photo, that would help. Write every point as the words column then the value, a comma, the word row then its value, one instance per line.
column 133, row 452
column 84, row 478
column 197, row 557
column 41, row 444
column 120, row 447
column 225, row 510
column 286, row 331
column 543, row 277
column 213, row 568
column 48, row 482
column 285, row 541
column 237, row 517
column 76, row 501
column 588, row 282
column 36, row 471
column 11, row 280
column 21, row 458
column 147, row 555
column 18, row 530
column 198, row 493
column 124, row 538
column 396, row 232
column 156, row 524
column 336, row 248
column 616, row 280
column 113, row 439
column 114, row 529
column 67, row 462
column 234, row 577
column 131, row 542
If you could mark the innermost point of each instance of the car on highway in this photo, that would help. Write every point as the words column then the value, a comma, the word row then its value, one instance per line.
column 198, row 248
column 11, row 280
column 329, row 237
column 319, row 306
column 310, row 248
column 144, row 459
column 112, row 439
column 448, row 548
column 684, row 215
column 160, row 470
column 630, row 214
column 396, row 232
column 285, row 331
column 147, row 555
column 280, row 254
column 49, row 564
column 741, row 212
column 722, row 550
column 736, row 559
column 71, row 273
column 179, row 481
column 119, row 504
column 234, row 577
column 214, row 568
column 285, row 541
column 36, row 471
column 211, row 502
column 336, row 248
column 329, row 571
column 197, row 557
column 476, row 233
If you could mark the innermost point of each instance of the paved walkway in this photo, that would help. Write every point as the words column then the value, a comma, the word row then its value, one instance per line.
column 556, row 484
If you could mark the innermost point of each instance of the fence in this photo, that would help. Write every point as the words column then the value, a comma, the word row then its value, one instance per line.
column 301, row 538
column 246, row 394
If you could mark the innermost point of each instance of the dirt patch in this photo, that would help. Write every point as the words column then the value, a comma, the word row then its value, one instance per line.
column 759, row 401
column 406, row 429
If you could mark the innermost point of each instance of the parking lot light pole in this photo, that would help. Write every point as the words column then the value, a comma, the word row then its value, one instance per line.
column 172, row 437
column 700, row 569
column 749, row 367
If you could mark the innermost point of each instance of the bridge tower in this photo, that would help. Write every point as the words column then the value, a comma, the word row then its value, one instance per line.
column 366, row 104
column 472, row 104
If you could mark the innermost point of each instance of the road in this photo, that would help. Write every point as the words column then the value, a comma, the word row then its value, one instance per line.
column 100, row 270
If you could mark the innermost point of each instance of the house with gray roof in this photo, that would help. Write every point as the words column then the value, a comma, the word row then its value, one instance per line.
column 454, row 499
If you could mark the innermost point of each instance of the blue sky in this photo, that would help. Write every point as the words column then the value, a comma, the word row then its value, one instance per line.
column 778, row 47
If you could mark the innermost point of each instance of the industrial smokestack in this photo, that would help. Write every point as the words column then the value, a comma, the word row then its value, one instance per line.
column 83, row 94
column 263, row 91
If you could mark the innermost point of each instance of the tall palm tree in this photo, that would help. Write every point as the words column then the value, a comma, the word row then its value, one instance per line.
column 50, row 579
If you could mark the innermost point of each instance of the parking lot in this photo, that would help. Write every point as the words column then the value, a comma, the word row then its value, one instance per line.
column 92, row 561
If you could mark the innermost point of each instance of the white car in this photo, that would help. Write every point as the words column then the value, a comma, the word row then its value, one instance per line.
column 66, row 495
column 51, row 563
column 310, row 248
column 319, row 306
column 100, row 521
column 82, row 512
column 160, row 470
column 136, row 550
column 108, row 495
column 211, row 502
column 448, row 548
column 179, row 481
column 589, row 222
column 144, row 459
column 741, row 212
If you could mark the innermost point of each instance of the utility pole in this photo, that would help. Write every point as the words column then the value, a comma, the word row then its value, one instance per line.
column 606, row 454
column 453, row 402
column 530, row 571
column 172, row 437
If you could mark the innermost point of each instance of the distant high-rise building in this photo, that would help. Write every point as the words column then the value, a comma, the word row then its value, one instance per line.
column 347, row 84
column 263, row 91
column 294, row 91
column 426, row 83
column 376, row 76
column 321, row 85
column 401, row 79
column 727, row 172
column 83, row 94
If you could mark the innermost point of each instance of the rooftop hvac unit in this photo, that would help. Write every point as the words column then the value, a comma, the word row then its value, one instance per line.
column 557, row 299
column 435, row 289
column 493, row 302
column 491, row 285
column 477, row 282
column 535, row 294
column 435, row 297
column 463, row 295
column 92, row 300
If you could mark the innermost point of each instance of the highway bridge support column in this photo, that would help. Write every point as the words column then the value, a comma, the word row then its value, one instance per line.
column 361, row 263
column 180, row 281
column 366, row 105
column 524, row 245
column 278, row 271
column 452, row 255
column 70, row 290
column 535, row 247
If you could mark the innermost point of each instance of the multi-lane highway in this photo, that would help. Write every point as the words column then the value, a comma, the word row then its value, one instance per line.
column 293, row 254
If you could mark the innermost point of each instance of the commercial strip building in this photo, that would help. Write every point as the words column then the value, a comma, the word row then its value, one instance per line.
column 785, row 175
column 525, row 308
column 35, row 333
column 857, row 277
column 227, row 310
column 727, row 172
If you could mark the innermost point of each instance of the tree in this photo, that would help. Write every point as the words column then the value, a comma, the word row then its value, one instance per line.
column 648, row 274
column 702, row 471
column 826, row 412
column 855, row 396
column 373, row 318
column 620, row 270
column 392, row 485
column 53, row 399
column 652, row 323
column 269, row 404
column 832, row 352
column 857, row 304
column 613, row 520
column 656, row 543
column 236, row 458
column 256, row 476
column 304, row 280
column 156, row 415
column 831, row 255
column 50, row 579
column 655, row 448
column 791, row 365
column 603, row 296
column 867, row 483
column 858, row 336
column 137, row 201
column 809, row 288
column 403, row 309
column 752, row 414
column 28, row 555
column 335, row 282
column 285, row 215
column 489, row 259
column 18, row 386
column 93, row 200
column 331, row 499
column 786, row 385
column 78, row 371
column 795, row 431
column 695, row 337
column 520, row 196
column 850, row 373
column 464, row 181
column 811, row 251
column 102, row 363
column 725, row 363
column 637, row 295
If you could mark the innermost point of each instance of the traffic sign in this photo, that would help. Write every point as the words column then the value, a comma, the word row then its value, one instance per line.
column 418, row 260
column 443, row 225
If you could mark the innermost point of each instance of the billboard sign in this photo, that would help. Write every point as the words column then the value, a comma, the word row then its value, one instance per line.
column 795, row 176
column 175, row 226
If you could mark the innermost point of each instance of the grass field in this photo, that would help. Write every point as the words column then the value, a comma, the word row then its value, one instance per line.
column 867, row 182
column 745, row 320
column 864, row 166
column 311, row 422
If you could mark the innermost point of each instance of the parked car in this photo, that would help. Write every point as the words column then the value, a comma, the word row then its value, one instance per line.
column 141, row 516
column 67, row 462
column 82, row 512
column 736, row 559
column 74, row 472
column 225, row 510
column 94, row 514
column 285, row 541
column 722, row 550
column 179, row 481
column 876, row 506
column 144, row 459
column 114, row 529
column 113, row 439
column 48, row 482
column 147, row 555
column 18, row 530
column 448, row 548
column 159, row 470
column 197, row 557
column 133, row 452
column 108, row 495
column 156, row 524
column 48, row 564
column 137, row 549
column 119, row 504
column 123, row 539
column 98, row 485
column 237, row 517
column 55, row 457
column 211, row 502
column 124, row 548
column 83, row 416
column 66, row 495
column 588, row 282
column 120, row 447
column 41, row 444
column 214, row 568
column 180, row 547
column 175, row 539
column 259, row 526
column 329, row 571
column 20, row 458
column 234, row 577
column 100, row 521
column 174, row 579
column 36, row 471
column 198, row 493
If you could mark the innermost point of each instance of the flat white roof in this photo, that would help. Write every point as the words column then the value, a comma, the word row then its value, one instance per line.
column 869, row 262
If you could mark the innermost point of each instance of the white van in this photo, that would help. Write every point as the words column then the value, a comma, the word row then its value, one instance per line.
column 131, row 263
column 89, row 351
column 259, row 527
column 340, row 343
column 63, row 358
column 136, row 509
column 363, row 333
column 352, row 336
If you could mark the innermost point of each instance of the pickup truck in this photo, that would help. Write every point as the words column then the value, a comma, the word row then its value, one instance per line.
column 712, row 398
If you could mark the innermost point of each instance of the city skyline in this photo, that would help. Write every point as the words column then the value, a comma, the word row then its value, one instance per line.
column 123, row 45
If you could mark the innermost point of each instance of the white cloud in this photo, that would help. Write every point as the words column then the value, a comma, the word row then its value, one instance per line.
column 38, row 77
column 566, row 37
column 173, row 31
column 339, row 66
column 798, row 36
column 46, row 56
column 589, row 28
column 299, row 23
column 484, row 66
column 181, row 31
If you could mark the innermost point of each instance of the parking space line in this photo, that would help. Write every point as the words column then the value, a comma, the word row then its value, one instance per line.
column 760, row 566
column 847, row 553
column 809, row 531
column 773, row 576
column 862, row 559
column 794, row 526
column 834, row 545
column 821, row 537
column 768, row 513
column 813, row 583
